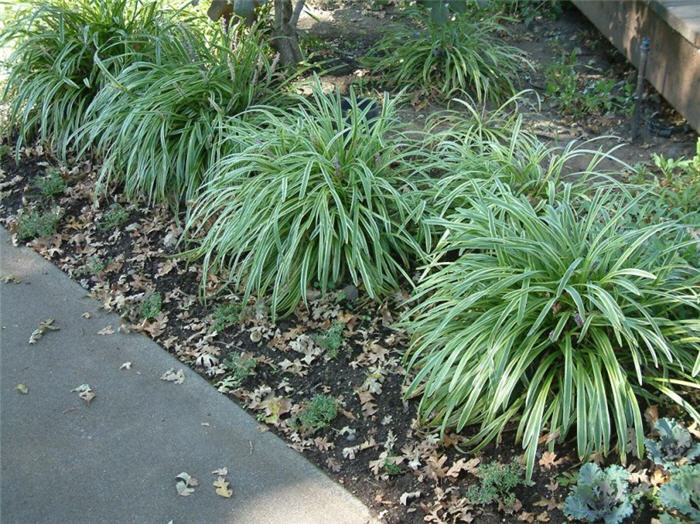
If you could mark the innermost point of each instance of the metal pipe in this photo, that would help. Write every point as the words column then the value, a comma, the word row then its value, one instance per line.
column 636, row 115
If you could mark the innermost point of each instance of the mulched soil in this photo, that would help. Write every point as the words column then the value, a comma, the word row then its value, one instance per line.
column 374, row 447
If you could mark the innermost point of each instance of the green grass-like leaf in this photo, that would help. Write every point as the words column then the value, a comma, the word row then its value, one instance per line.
column 317, row 197
column 52, row 73
column 461, row 55
column 554, row 318
column 173, row 111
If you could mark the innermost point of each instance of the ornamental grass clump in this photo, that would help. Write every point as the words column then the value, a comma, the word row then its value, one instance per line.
column 460, row 55
column 553, row 320
column 156, row 124
column 52, row 72
column 320, row 197
column 471, row 150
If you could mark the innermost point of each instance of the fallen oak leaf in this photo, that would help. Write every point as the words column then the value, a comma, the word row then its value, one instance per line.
column 549, row 460
column 178, row 377
column 185, row 484
column 222, row 488
column 107, row 330
column 85, row 392
column 46, row 324
column 22, row 389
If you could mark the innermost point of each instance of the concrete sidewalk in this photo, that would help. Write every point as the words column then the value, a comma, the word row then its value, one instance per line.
column 116, row 459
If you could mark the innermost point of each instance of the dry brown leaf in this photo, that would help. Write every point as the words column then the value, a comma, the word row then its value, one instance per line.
column 651, row 415
column 222, row 488
column 44, row 325
column 185, row 484
column 178, row 377
column 85, row 392
column 107, row 330
column 549, row 460
column 462, row 465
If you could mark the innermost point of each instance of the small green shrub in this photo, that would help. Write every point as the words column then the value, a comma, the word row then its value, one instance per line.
column 51, row 184
column 318, row 414
column 460, row 55
column 600, row 495
column 496, row 482
column 151, row 305
column 318, row 197
column 52, row 71
column 554, row 317
column 331, row 340
column 113, row 218
column 35, row 223
column 674, row 446
column 226, row 315
column 682, row 494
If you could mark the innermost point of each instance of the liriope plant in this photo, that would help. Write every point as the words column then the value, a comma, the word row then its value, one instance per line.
column 460, row 55
column 553, row 321
column 321, row 197
column 173, row 110
column 470, row 149
column 52, row 76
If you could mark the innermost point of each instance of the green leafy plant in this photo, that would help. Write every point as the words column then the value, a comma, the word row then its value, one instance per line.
column 470, row 150
column 226, row 315
column 462, row 55
column 496, row 482
column 174, row 110
column 316, row 415
column 35, row 223
column 682, row 494
column 112, row 218
column 600, row 495
column 241, row 366
column 553, row 318
column 675, row 445
column 93, row 266
column 52, row 184
column 578, row 95
column 52, row 72
column 151, row 305
column 319, row 197
column 672, row 196
column 331, row 340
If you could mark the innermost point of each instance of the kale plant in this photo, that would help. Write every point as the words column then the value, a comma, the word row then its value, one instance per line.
column 674, row 446
column 682, row 494
column 600, row 495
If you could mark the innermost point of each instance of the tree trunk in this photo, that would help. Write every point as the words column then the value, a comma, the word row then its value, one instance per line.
column 285, row 40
